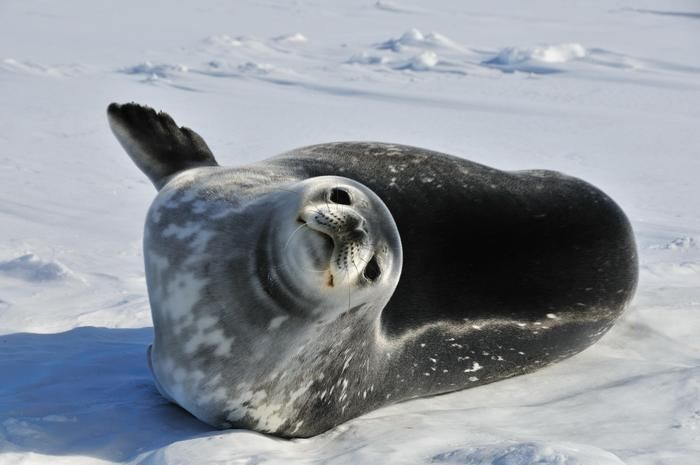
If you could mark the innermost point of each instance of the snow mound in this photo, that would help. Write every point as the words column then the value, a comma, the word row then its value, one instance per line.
column 227, row 56
column 249, row 68
column 31, row 268
column 256, row 68
column 416, row 39
column 364, row 58
column 422, row 62
column 156, row 71
column 685, row 268
column 28, row 67
column 682, row 243
column 544, row 59
column 296, row 38
column 253, row 44
column 544, row 54
column 415, row 51
column 226, row 40
column 393, row 7
column 530, row 453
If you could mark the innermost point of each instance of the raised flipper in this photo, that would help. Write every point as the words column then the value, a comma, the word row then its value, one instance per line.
column 156, row 144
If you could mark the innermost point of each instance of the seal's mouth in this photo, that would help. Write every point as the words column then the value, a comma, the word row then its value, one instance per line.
column 322, row 246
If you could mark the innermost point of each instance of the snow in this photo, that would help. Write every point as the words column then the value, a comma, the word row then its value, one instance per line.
column 31, row 268
column 514, row 58
column 604, row 90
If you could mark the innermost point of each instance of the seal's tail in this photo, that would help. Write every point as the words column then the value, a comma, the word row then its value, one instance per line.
column 156, row 144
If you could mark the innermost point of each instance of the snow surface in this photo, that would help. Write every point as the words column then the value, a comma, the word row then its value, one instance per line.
column 605, row 90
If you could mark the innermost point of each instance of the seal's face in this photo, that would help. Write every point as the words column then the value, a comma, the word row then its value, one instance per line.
column 340, row 243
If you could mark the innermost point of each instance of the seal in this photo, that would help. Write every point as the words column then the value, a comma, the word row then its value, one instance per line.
column 294, row 294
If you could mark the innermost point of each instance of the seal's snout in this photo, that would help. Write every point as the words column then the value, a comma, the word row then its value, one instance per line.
column 348, row 233
column 334, row 221
column 341, row 239
column 356, row 224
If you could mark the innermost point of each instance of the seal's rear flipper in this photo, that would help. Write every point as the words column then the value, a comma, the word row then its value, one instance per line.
column 156, row 144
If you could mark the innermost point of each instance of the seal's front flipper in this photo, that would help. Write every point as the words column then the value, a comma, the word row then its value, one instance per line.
column 156, row 144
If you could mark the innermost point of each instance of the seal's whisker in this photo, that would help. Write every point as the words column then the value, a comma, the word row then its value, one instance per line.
column 319, row 212
column 356, row 268
column 311, row 270
column 328, row 207
column 286, row 244
column 363, row 247
column 347, row 273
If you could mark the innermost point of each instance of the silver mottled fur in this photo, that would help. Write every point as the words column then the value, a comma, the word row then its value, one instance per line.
column 237, row 293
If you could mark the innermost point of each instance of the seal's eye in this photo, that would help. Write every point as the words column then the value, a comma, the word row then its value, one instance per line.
column 372, row 270
column 340, row 196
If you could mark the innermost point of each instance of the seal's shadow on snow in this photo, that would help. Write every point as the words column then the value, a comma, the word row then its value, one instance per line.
column 87, row 391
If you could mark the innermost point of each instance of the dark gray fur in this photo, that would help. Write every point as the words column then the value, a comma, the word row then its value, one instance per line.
column 155, row 143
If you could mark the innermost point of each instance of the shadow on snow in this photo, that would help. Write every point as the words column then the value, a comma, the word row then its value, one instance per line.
column 87, row 391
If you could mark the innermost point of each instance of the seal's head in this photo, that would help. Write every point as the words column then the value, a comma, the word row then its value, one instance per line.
column 242, row 277
column 336, row 243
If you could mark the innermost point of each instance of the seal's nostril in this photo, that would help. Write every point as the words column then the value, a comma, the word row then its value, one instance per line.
column 372, row 270
column 340, row 196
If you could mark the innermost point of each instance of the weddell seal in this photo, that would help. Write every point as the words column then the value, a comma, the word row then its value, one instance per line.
column 293, row 294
